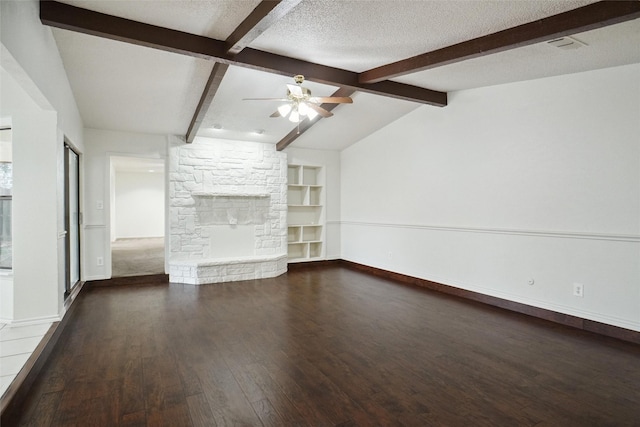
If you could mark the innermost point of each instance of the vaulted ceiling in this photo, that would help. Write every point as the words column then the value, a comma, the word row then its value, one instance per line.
column 184, row 67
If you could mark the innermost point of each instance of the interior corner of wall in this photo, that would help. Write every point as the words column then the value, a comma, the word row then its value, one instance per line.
column 176, row 140
column 12, row 67
column 5, row 121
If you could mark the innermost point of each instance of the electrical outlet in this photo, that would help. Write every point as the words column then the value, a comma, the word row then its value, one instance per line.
column 100, row 261
column 578, row 290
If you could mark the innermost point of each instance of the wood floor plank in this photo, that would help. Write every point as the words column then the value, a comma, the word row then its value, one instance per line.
column 132, row 386
column 46, row 410
column 162, row 385
column 225, row 396
column 200, row 411
column 175, row 415
column 135, row 419
column 299, row 397
column 268, row 414
column 323, row 347
column 189, row 377
column 271, row 391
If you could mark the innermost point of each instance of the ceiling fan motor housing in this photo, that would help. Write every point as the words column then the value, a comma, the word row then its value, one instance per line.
column 303, row 95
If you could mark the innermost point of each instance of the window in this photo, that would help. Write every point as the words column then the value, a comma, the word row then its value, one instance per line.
column 6, row 195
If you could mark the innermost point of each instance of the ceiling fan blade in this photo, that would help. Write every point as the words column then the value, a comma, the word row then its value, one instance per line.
column 295, row 90
column 320, row 110
column 331, row 99
column 276, row 114
column 265, row 99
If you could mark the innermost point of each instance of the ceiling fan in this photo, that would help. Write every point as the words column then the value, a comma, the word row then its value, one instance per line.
column 300, row 104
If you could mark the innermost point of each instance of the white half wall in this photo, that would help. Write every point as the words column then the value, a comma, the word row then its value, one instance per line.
column 534, row 180
column 35, row 218
column 140, row 204
column 37, row 100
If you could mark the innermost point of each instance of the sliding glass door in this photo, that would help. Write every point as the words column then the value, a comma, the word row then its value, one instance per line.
column 72, row 218
column 6, row 191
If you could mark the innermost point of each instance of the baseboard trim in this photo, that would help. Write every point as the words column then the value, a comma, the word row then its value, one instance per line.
column 305, row 265
column 12, row 400
column 152, row 279
column 541, row 313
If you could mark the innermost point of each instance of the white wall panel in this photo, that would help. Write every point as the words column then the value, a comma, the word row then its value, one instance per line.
column 537, row 179
column 140, row 204
column 36, row 292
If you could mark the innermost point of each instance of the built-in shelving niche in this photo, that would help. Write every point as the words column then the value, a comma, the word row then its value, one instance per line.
column 305, row 200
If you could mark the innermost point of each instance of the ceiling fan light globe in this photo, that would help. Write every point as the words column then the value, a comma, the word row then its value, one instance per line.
column 303, row 109
column 284, row 109
column 294, row 117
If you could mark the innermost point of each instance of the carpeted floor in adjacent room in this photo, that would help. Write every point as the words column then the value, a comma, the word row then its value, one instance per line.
column 137, row 256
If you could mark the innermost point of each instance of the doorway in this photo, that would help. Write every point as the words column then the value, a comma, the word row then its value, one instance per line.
column 6, row 198
column 137, row 216
column 72, row 218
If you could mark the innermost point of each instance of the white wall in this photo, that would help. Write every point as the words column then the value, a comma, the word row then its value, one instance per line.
column 34, row 208
column 33, row 47
column 535, row 180
column 36, row 99
column 140, row 204
column 330, row 160
column 100, row 146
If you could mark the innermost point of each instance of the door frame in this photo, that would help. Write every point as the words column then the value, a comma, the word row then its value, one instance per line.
column 68, row 287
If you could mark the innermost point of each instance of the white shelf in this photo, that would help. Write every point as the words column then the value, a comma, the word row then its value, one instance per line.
column 305, row 198
column 304, row 233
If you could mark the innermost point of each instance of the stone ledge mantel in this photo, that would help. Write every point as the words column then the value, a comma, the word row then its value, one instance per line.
column 218, row 194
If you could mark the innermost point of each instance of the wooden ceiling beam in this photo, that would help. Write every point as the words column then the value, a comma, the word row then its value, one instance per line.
column 286, row 66
column 267, row 13
column 582, row 19
column 210, row 89
column 263, row 16
column 84, row 21
column 67, row 17
column 306, row 124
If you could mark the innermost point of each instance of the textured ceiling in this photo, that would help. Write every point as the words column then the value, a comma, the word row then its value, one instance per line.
column 606, row 47
column 212, row 18
column 357, row 35
column 125, row 87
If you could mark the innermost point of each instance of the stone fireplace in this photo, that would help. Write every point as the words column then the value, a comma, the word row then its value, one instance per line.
column 228, row 211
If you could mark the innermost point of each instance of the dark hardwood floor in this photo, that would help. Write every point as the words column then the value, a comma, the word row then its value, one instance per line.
column 324, row 347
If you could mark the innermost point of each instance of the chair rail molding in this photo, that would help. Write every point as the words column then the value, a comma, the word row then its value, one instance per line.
column 634, row 238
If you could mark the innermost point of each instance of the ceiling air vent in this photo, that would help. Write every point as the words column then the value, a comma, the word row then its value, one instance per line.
column 566, row 43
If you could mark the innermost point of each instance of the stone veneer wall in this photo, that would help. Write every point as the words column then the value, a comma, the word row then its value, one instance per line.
column 225, row 184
